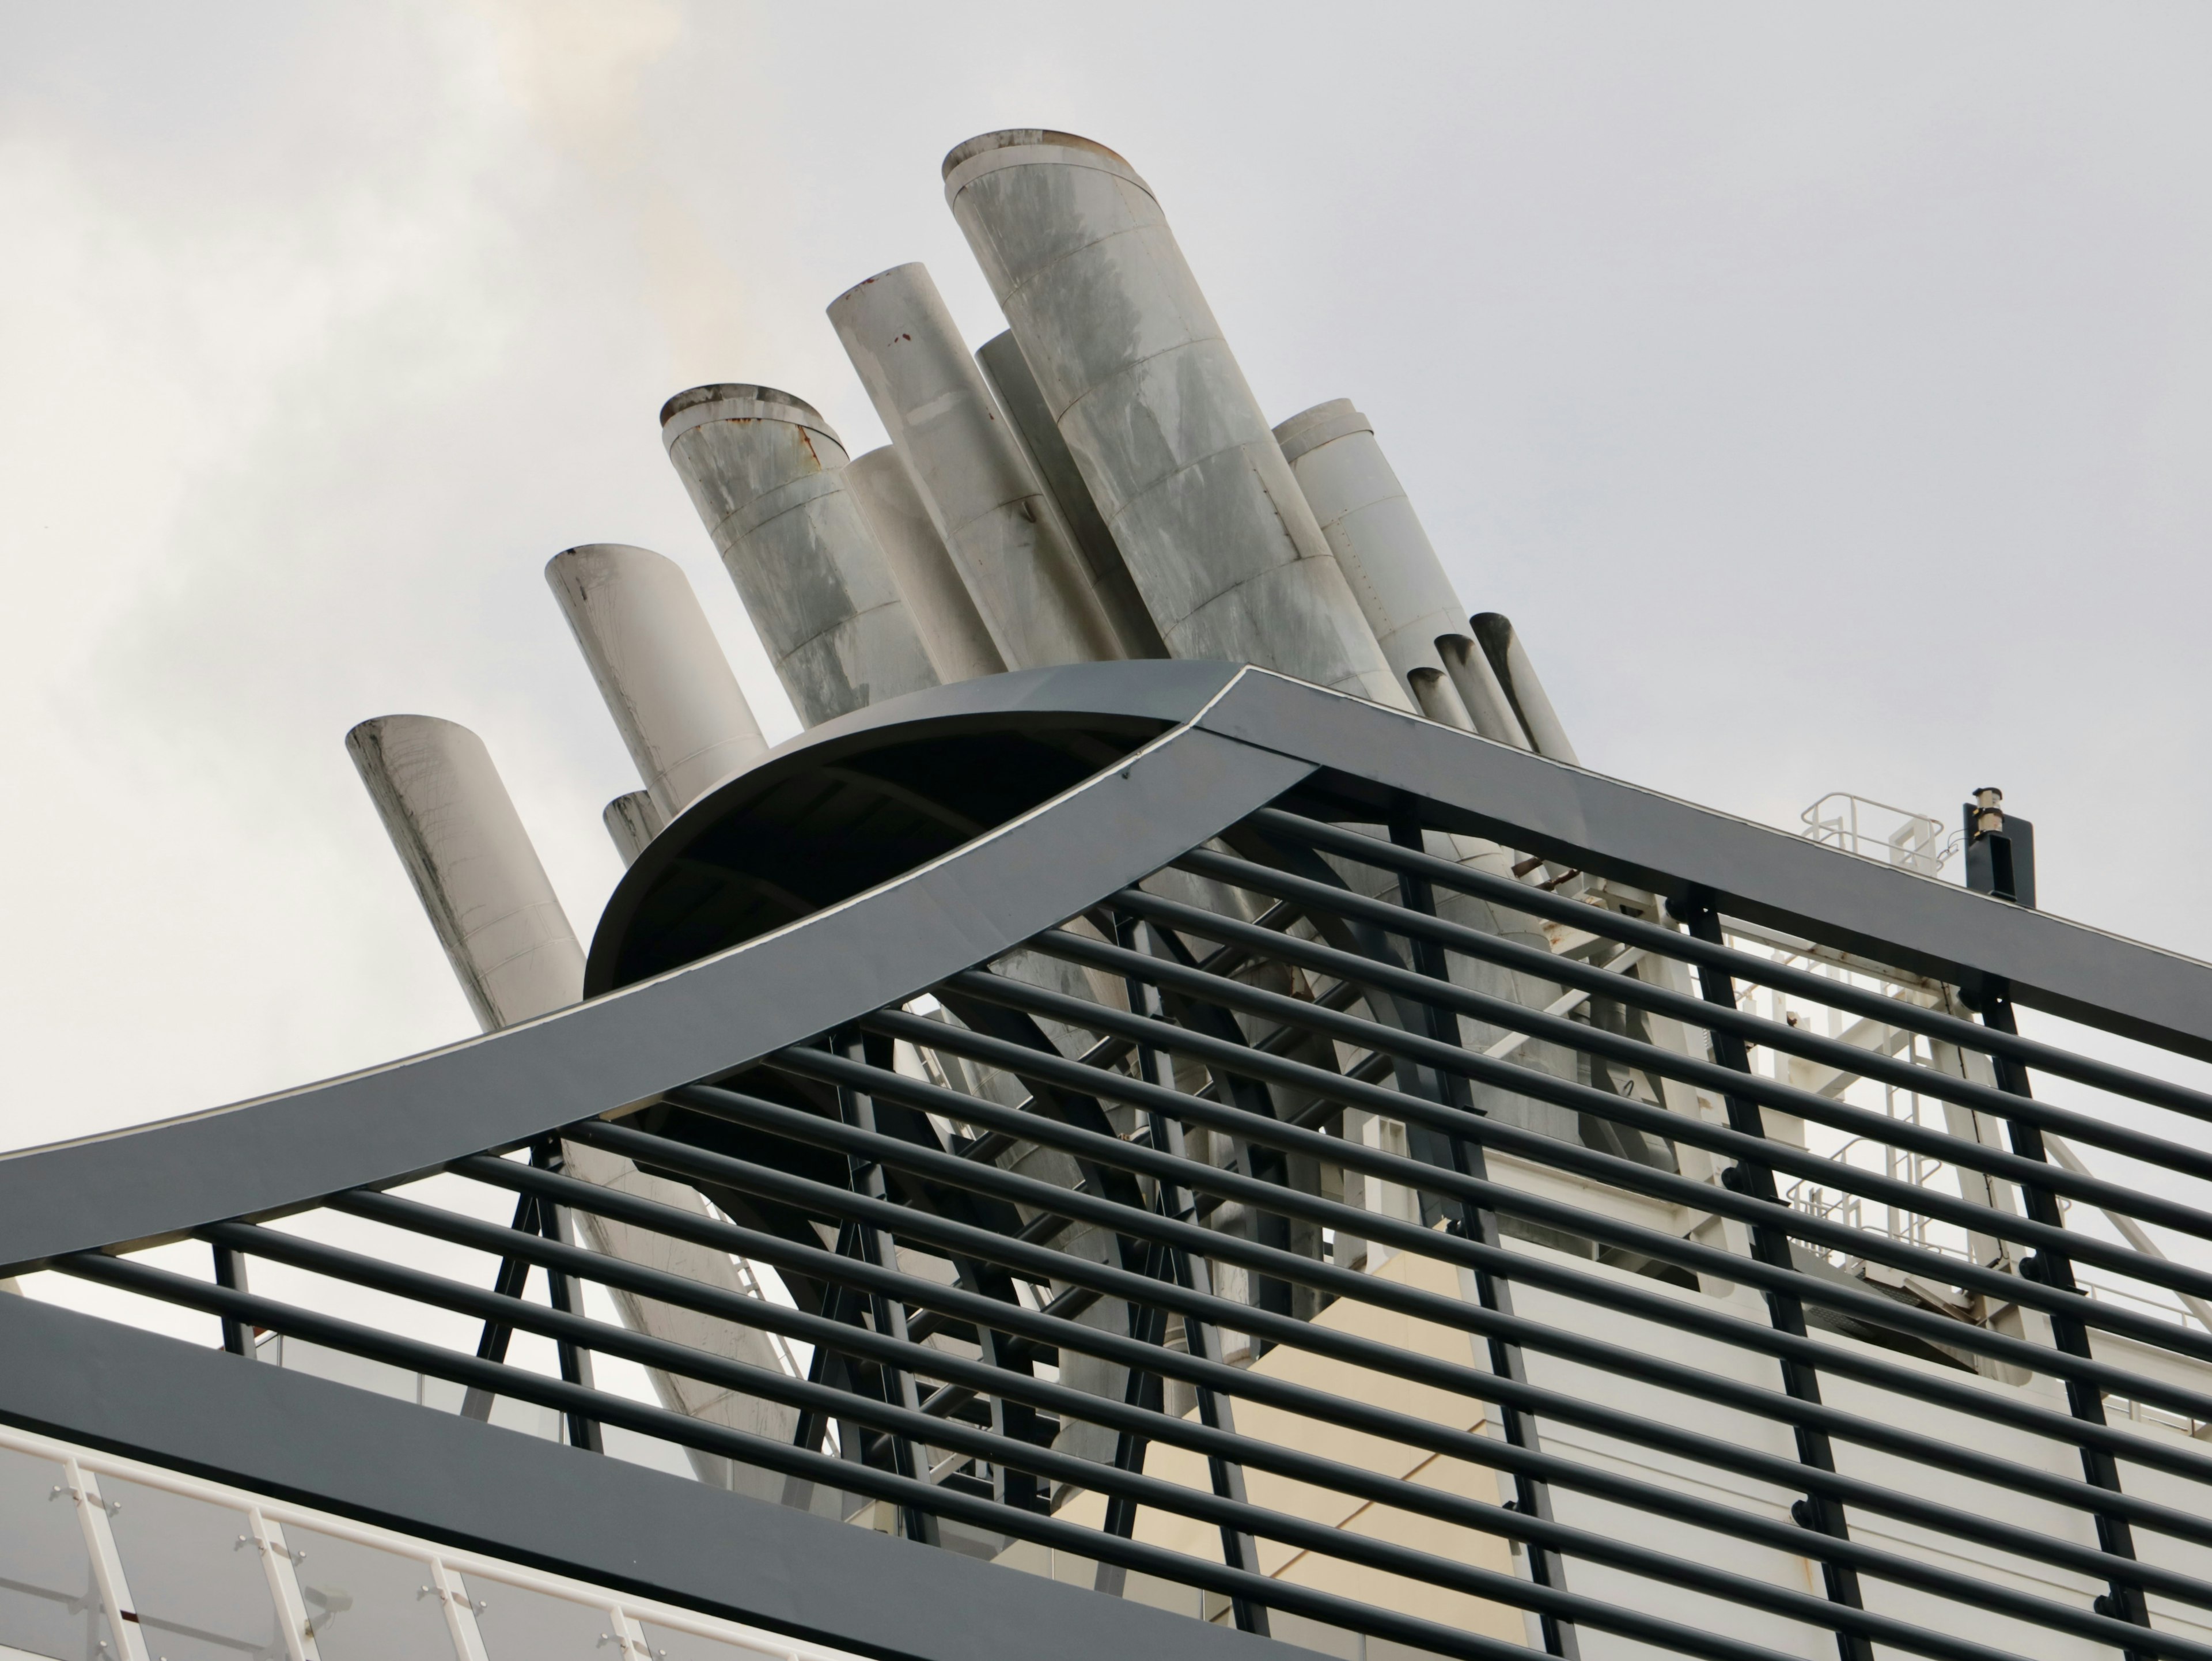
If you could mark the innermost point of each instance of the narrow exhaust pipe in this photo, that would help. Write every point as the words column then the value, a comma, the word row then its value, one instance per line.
column 632, row 822
column 486, row 894
column 659, row 668
column 1480, row 693
column 766, row 475
column 1377, row 540
column 456, row 831
column 1516, row 675
column 942, row 606
column 1021, row 402
column 968, row 472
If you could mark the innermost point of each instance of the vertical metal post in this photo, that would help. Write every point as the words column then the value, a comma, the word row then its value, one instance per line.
column 452, row 1595
column 1254, row 1096
column 1532, row 1497
column 1147, row 1322
column 1202, row 1338
column 859, row 1110
column 1821, row 1512
column 2122, row 1601
column 566, row 1294
column 277, row 1562
column 230, row 1273
column 84, row 1487
column 513, row 1277
column 831, row 1367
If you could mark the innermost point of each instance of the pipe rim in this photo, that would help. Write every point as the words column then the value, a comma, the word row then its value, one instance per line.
column 1324, row 423
column 738, row 400
column 1015, row 147
column 910, row 265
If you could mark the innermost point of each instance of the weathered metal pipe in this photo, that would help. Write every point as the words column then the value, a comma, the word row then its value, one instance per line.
column 632, row 823
column 493, row 910
column 1377, row 540
column 969, row 474
column 659, row 668
column 1437, row 698
column 940, row 603
column 1160, row 420
column 1479, row 694
column 1516, row 675
column 455, row 830
column 766, row 475
column 1083, row 527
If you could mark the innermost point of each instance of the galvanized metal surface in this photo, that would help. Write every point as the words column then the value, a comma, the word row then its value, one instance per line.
column 971, row 473
column 765, row 473
column 1159, row 418
column 659, row 668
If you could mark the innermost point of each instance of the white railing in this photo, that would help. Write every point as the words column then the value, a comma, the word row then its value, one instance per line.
column 389, row 1581
column 1859, row 824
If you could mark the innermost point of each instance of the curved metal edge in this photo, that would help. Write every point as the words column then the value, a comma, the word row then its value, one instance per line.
column 378, row 1128
column 1168, row 694
column 1261, row 735
column 1574, row 817
column 453, row 1481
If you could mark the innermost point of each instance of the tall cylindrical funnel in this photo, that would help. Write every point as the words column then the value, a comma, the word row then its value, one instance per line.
column 943, row 610
column 766, row 475
column 969, row 473
column 1376, row 536
column 1509, row 659
column 1152, row 403
column 457, row 832
column 1021, row 402
column 659, row 668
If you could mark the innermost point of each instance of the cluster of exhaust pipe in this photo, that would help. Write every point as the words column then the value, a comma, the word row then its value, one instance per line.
column 1098, row 482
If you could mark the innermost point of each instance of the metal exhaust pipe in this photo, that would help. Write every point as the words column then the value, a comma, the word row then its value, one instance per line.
column 486, row 894
column 632, row 822
column 1161, row 422
column 1516, row 675
column 455, row 829
column 1437, row 699
column 1483, row 698
column 766, row 475
column 659, row 668
column 943, row 608
column 968, row 472
column 1377, row 540
column 1066, row 495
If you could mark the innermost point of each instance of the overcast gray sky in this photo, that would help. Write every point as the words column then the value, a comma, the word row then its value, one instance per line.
column 1825, row 392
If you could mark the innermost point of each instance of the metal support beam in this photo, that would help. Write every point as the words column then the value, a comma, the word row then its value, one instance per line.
column 1491, row 1291
column 1819, row 1509
column 2122, row 1600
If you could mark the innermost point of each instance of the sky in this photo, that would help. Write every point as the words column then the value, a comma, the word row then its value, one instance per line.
column 1824, row 392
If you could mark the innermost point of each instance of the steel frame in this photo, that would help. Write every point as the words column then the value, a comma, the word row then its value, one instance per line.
column 813, row 1014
